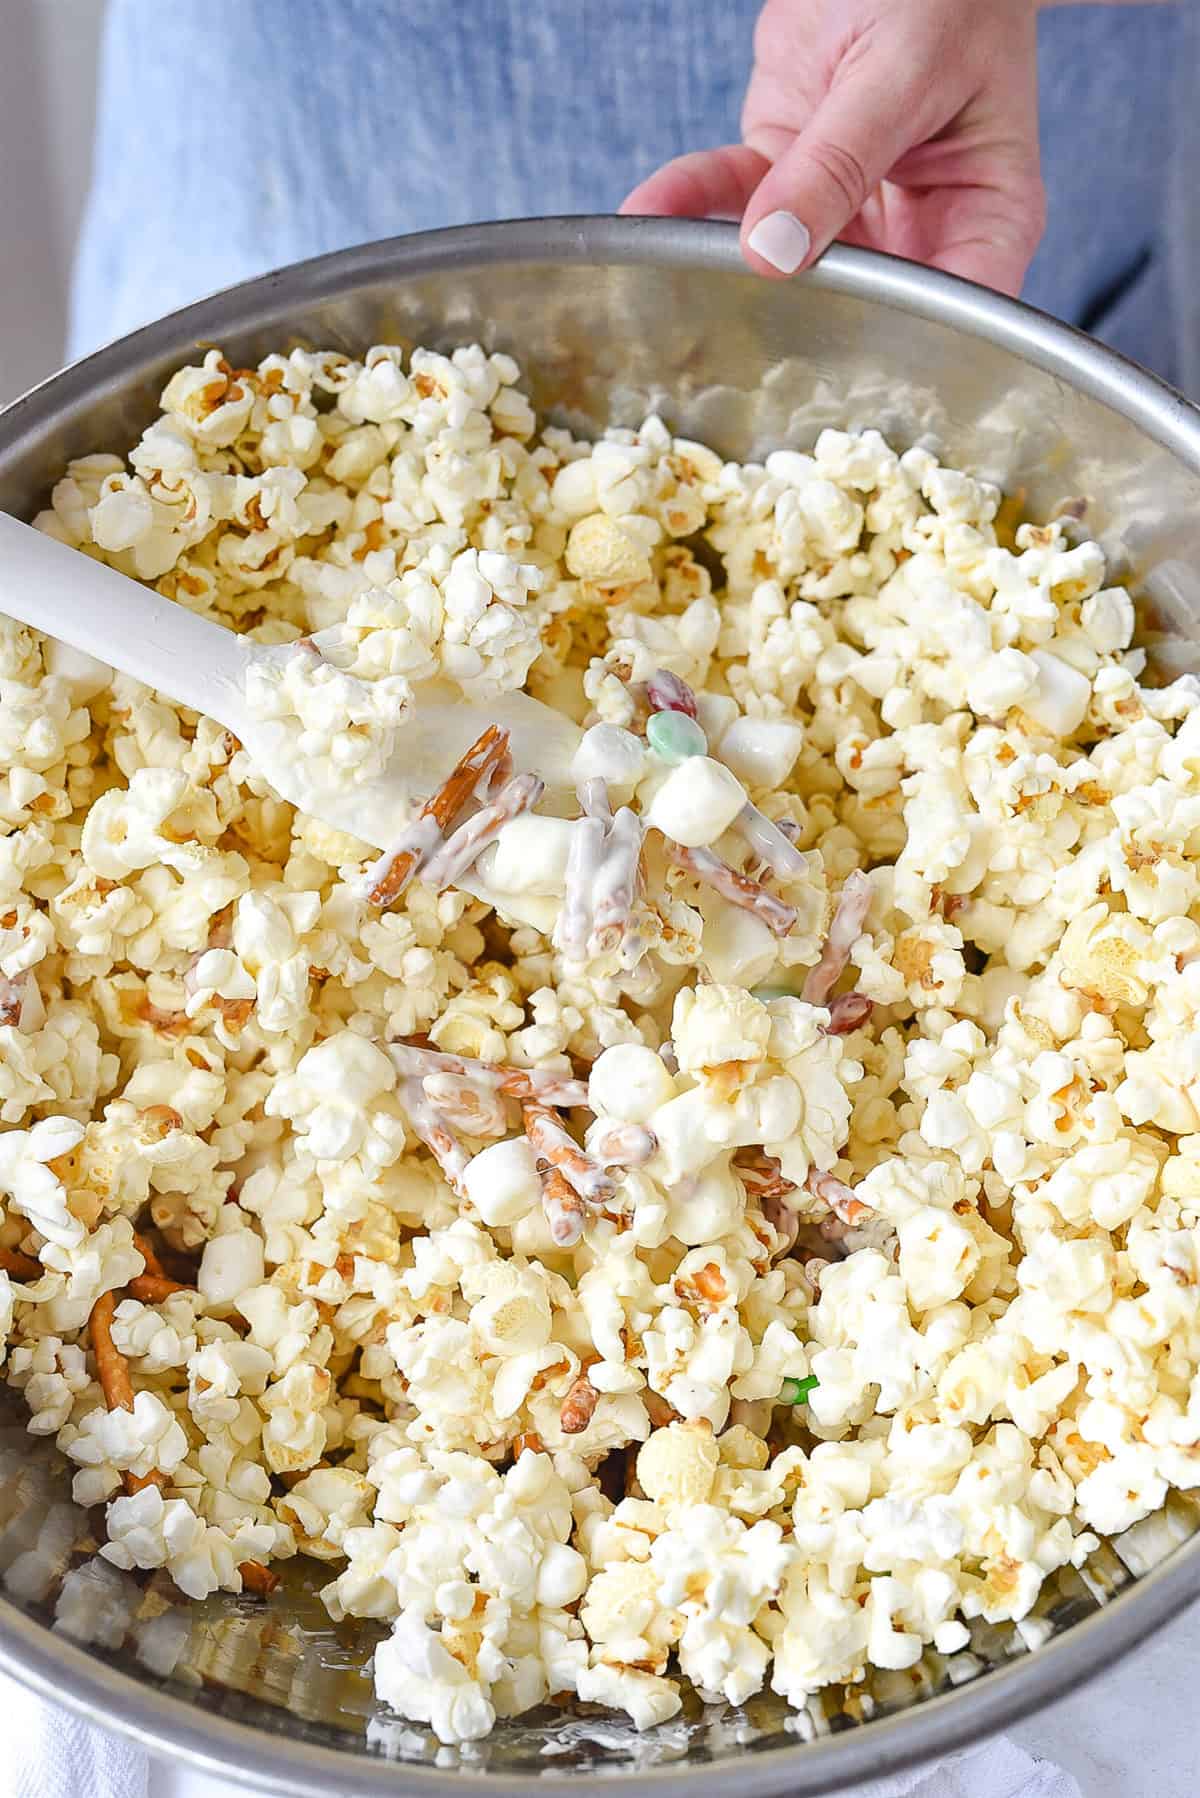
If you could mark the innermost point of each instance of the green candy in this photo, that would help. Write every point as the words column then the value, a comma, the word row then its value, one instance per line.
column 675, row 736
column 795, row 1392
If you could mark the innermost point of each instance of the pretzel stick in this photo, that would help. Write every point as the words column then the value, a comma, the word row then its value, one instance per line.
column 451, row 860
column 20, row 1267
column 442, row 1144
column 387, row 878
column 563, row 1208
column 137, row 1482
column 499, row 776
column 739, row 889
column 153, row 1289
column 594, row 800
column 616, row 882
column 584, row 857
column 546, row 1084
column 258, row 1579
column 149, row 1255
column 769, row 843
column 112, row 1370
column 849, row 915
column 622, row 1145
column 552, row 1142
column 111, row 1366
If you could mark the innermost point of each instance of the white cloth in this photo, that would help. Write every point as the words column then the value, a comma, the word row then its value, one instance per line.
column 998, row 1769
column 49, row 1752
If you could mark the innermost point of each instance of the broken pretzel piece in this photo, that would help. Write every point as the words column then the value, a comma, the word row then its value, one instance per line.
column 563, row 1207
column 739, row 889
column 257, row 1578
column 849, row 916
column 112, row 1369
column 388, row 877
column 578, row 1407
column 838, row 1196
column 441, row 1142
column 847, row 1012
column 615, row 1144
column 762, row 1175
column 153, row 1284
column 547, row 1084
column 467, row 1105
column 20, row 1267
column 553, row 1143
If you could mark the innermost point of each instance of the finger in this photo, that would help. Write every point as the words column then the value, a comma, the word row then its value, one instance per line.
column 982, row 221
column 704, row 184
column 996, row 254
column 823, row 180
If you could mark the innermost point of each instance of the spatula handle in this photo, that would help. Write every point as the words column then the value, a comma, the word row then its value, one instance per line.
column 53, row 588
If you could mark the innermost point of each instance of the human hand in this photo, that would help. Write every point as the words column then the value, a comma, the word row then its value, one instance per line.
column 903, row 125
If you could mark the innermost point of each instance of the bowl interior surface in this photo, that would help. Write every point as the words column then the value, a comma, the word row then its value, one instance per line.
column 612, row 319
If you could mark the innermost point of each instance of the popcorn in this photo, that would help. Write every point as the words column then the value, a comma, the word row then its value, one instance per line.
column 871, row 1050
column 326, row 1101
column 136, row 1441
column 677, row 1466
column 629, row 1081
column 232, row 1262
column 715, row 1025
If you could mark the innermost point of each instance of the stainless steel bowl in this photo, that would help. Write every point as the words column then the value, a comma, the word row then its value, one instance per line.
column 612, row 318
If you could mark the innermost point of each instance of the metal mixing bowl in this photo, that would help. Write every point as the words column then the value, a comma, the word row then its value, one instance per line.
column 612, row 318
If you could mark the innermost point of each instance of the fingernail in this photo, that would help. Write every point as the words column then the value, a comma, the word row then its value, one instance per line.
column 781, row 240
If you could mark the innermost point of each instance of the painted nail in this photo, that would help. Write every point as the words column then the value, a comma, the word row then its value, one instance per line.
column 781, row 240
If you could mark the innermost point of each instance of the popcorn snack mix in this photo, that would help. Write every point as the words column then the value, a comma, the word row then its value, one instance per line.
column 764, row 1239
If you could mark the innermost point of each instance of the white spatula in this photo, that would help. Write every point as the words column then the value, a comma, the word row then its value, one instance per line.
column 91, row 607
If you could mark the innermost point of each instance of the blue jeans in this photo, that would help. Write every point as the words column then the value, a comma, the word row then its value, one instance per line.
column 237, row 135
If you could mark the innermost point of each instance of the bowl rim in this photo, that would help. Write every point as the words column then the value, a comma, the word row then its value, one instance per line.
column 62, row 1671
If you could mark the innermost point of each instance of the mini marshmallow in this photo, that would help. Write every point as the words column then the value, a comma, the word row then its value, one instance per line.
column 502, row 1181
column 761, row 751
column 697, row 802
column 608, row 753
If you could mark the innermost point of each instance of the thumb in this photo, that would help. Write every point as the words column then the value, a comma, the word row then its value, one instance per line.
column 823, row 180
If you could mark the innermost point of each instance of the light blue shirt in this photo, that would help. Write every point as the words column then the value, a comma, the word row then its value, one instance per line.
column 234, row 136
